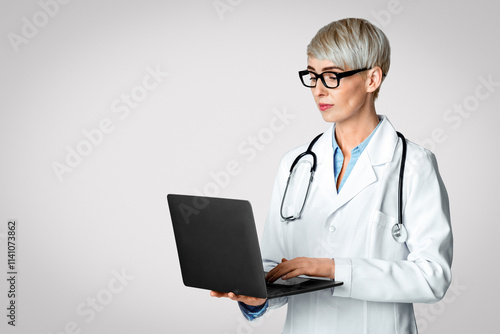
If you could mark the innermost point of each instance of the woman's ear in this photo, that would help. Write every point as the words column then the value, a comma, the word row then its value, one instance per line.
column 373, row 79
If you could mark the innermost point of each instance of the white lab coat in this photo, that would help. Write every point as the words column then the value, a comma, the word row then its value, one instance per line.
column 382, row 278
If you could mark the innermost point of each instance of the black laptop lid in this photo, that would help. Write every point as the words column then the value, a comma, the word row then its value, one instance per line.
column 217, row 244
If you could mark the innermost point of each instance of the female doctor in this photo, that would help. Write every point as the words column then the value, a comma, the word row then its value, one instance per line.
column 342, row 228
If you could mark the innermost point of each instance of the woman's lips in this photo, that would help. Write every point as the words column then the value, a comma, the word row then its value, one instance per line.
column 323, row 106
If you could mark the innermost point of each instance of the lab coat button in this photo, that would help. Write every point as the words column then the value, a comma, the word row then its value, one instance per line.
column 332, row 229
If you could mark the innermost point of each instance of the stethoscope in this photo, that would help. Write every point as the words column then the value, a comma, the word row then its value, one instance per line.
column 398, row 231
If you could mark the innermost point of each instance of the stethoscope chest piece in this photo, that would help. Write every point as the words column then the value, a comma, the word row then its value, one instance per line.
column 399, row 233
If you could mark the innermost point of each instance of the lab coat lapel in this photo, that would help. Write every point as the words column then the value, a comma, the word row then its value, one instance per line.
column 362, row 175
column 379, row 151
column 325, row 180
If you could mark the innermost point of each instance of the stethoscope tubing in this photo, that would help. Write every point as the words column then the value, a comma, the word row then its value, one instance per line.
column 401, row 176
column 312, row 171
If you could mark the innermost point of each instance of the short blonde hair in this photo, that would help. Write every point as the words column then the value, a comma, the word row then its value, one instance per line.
column 352, row 43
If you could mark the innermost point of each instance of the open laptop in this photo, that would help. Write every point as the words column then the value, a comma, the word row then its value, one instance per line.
column 219, row 250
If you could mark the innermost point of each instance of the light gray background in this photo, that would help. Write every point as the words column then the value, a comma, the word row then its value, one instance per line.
column 228, row 74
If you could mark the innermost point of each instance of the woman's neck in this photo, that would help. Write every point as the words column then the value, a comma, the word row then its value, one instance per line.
column 353, row 131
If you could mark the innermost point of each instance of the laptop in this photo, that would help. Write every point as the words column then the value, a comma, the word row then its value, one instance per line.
column 219, row 250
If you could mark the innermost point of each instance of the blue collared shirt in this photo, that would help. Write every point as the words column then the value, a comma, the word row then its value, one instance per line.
column 338, row 157
column 252, row 312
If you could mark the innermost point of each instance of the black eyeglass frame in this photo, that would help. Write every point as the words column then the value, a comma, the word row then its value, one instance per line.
column 338, row 75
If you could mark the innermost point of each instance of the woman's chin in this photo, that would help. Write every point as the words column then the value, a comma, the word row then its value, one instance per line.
column 329, row 116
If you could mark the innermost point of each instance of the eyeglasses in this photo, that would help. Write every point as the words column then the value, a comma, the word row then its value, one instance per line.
column 329, row 79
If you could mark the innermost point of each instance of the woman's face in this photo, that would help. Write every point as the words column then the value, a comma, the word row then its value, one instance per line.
column 347, row 101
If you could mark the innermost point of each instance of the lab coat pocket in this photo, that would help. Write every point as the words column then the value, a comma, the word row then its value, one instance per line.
column 382, row 244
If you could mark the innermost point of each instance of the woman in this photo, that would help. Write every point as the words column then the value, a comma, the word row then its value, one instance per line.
column 344, row 230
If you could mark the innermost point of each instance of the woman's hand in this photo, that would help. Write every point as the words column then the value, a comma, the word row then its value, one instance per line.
column 252, row 301
column 309, row 266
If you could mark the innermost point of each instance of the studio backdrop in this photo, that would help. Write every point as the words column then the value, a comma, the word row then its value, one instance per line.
column 108, row 106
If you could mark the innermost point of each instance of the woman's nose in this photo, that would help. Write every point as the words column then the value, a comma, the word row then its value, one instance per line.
column 320, row 89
